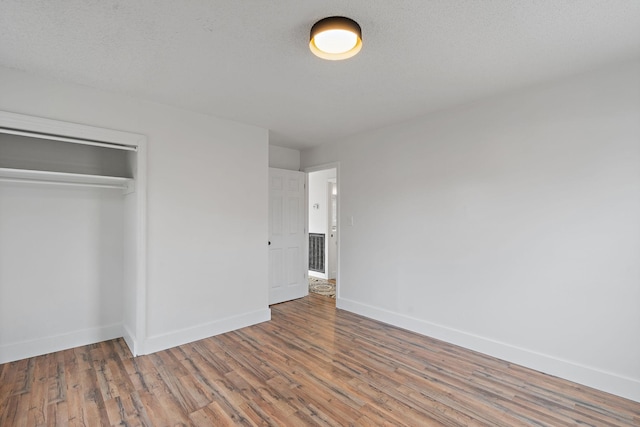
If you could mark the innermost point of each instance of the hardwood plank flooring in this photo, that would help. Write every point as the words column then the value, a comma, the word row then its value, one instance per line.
column 310, row 365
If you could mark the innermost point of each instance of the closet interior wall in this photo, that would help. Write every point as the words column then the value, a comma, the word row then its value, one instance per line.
column 68, row 251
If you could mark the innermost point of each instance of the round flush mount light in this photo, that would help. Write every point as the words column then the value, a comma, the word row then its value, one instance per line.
column 335, row 38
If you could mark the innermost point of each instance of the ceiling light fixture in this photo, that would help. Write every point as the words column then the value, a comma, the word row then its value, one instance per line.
column 335, row 38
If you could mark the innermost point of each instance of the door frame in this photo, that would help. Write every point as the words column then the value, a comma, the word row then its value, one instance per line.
column 332, row 199
column 321, row 167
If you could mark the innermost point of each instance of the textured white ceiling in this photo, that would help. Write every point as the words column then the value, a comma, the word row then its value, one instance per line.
column 248, row 60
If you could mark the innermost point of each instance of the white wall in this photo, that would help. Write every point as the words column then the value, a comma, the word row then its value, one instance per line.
column 60, row 267
column 509, row 226
column 207, row 205
column 284, row 158
column 318, row 218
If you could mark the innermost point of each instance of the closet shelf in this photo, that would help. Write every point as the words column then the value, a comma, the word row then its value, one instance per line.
column 65, row 178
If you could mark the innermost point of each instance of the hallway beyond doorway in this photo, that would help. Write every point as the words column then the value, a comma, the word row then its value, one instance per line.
column 322, row 286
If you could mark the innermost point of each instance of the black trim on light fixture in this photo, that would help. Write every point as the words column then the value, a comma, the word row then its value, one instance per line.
column 335, row 23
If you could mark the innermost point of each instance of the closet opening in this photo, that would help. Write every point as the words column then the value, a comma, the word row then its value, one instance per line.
column 73, row 227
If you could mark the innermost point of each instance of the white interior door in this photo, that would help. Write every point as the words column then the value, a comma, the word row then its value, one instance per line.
column 287, row 237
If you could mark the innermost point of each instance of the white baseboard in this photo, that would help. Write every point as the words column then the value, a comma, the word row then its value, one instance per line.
column 37, row 347
column 183, row 336
column 606, row 381
column 129, row 338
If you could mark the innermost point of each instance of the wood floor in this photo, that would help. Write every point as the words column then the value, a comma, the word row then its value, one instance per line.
column 311, row 365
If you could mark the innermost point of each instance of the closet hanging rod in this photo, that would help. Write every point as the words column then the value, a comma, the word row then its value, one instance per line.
column 70, row 184
column 65, row 139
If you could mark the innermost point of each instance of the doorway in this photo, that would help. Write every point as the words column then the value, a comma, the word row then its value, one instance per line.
column 323, row 229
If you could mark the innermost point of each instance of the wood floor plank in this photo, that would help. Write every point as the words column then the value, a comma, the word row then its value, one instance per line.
column 211, row 415
column 38, row 395
column 57, row 414
column 311, row 365
column 155, row 410
column 140, row 416
column 57, row 387
column 9, row 413
column 74, row 394
column 24, row 379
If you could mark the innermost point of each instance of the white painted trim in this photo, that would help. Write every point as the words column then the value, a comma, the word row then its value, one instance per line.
column 66, row 129
column 64, row 178
column 37, row 347
column 129, row 338
column 65, row 139
column 606, row 381
column 322, row 167
column 305, row 261
column 141, row 249
column 184, row 336
column 330, row 215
